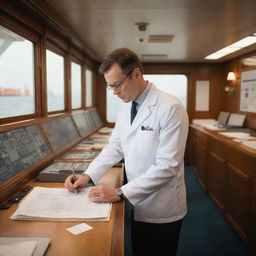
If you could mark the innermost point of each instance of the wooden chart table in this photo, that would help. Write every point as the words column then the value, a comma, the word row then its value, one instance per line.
column 106, row 238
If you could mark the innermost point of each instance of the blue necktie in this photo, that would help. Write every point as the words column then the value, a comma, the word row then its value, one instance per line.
column 133, row 110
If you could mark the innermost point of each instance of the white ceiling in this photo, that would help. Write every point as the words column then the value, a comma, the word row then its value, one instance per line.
column 199, row 27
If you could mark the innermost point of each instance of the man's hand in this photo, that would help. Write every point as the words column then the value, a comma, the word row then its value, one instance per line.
column 72, row 183
column 103, row 194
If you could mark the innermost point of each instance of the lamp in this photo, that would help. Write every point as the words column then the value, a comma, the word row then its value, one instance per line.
column 231, row 76
column 229, row 89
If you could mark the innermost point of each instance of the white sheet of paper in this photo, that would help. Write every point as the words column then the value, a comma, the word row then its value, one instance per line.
column 250, row 144
column 238, row 135
column 21, row 249
column 78, row 229
column 60, row 204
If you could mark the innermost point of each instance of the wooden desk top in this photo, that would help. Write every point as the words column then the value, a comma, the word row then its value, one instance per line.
column 227, row 140
column 106, row 238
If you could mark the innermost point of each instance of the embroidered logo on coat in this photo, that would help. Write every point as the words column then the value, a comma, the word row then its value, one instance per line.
column 146, row 128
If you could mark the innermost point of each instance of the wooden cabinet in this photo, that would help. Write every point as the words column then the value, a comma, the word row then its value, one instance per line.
column 190, row 148
column 201, row 163
column 198, row 154
column 217, row 174
column 227, row 171
column 238, row 207
column 241, row 168
column 217, row 177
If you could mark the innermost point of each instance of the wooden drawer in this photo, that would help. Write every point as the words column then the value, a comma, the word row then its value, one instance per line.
column 242, row 161
column 201, row 138
column 217, row 146
column 239, row 198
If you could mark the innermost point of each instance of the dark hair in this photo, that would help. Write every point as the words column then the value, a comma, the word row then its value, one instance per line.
column 124, row 57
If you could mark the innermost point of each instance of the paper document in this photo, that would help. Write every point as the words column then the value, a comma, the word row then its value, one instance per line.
column 96, row 146
column 213, row 127
column 105, row 130
column 41, row 245
column 78, row 229
column 238, row 135
column 250, row 144
column 60, row 204
column 99, row 138
column 19, row 248
column 82, row 155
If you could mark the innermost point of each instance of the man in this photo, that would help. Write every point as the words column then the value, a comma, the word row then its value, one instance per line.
column 150, row 135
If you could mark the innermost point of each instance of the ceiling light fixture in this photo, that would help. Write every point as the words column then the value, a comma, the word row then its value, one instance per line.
column 249, row 40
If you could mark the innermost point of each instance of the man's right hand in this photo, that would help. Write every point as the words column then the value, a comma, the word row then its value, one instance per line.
column 72, row 184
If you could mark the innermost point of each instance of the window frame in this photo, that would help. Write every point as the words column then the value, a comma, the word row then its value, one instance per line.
column 184, row 74
column 58, row 51
column 35, row 40
column 77, row 61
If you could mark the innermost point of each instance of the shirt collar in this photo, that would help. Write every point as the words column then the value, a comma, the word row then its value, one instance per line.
column 144, row 94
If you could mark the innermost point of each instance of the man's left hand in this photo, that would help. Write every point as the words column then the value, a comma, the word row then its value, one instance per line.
column 103, row 194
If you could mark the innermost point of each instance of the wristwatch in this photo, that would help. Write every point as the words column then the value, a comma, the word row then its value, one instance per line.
column 119, row 192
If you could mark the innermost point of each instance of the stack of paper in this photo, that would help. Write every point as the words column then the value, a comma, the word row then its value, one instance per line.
column 59, row 204
column 23, row 246
column 204, row 121
column 105, row 130
column 100, row 138
column 238, row 135
column 213, row 127
column 96, row 146
column 250, row 144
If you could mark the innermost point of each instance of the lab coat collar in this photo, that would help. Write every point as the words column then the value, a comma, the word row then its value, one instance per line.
column 144, row 111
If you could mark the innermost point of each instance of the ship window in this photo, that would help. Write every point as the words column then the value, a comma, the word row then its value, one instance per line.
column 175, row 85
column 88, row 81
column 55, row 81
column 17, row 80
column 76, row 85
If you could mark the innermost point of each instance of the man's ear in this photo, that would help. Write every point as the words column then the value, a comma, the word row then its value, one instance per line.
column 137, row 73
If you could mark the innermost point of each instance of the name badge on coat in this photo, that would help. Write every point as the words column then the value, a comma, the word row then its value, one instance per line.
column 146, row 128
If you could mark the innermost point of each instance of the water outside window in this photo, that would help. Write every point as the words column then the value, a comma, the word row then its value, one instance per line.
column 88, row 87
column 175, row 85
column 76, row 85
column 55, row 81
column 17, row 80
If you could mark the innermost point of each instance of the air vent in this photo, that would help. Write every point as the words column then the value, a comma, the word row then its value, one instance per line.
column 160, row 38
column 153, row 56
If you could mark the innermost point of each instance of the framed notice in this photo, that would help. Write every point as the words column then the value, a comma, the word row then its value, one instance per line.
column 202, row 95
column 248, row 91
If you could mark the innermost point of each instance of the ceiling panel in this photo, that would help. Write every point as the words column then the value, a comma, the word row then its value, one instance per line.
column 199, row 27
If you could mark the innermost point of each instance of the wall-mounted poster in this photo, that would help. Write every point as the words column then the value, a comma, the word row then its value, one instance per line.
column 248, row 91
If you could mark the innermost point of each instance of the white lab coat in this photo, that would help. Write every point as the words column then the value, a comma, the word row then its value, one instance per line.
column 153, row 150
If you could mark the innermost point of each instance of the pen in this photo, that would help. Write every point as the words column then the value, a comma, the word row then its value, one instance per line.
column 74, row 179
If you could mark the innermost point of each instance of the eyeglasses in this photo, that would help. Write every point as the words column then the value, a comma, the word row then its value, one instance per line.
column 118, row 84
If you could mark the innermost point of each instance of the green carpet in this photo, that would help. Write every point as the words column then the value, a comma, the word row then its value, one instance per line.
column 205, row 232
